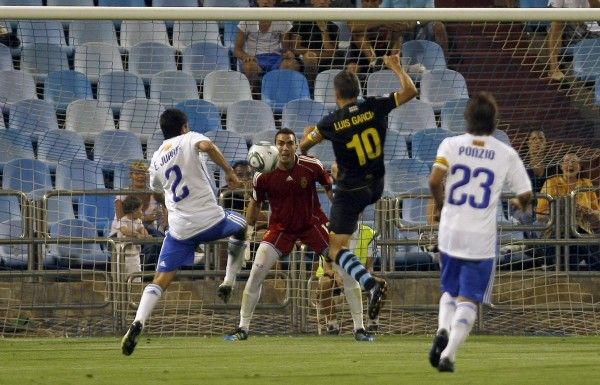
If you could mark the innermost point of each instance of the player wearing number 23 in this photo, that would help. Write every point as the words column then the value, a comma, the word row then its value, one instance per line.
column 466, row 182
column 357, row 131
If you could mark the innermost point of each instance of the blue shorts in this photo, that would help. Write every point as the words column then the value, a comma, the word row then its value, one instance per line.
column 176, row 253
column 269, row 61
column 472, row 279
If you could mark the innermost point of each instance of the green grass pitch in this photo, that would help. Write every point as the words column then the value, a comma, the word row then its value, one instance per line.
column 297, row 360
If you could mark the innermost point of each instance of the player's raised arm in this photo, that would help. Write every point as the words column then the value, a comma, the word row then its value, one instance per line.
column 311, row 137
column 216, row 156
column 409, row 90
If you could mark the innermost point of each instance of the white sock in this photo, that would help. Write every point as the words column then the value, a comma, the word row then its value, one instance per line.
column 150, row 297
column 353, row 296
column 462, row 323
column 235, row 258
column 446, row 312
column 265, row 258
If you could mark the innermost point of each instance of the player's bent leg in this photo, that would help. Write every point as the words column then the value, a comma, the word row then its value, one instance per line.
column 130, row 338
column 234, row 226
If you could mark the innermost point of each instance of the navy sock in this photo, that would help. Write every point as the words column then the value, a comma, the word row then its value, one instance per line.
column 350, row 263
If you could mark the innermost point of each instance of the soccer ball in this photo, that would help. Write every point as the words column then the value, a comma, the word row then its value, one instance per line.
column 263, row 157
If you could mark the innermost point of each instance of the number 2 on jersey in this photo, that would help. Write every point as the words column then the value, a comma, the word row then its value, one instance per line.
column 467, row 175
column 178, row 176
column 367, row 145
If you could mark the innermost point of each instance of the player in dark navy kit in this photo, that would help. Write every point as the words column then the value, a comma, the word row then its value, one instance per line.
column 357, row 132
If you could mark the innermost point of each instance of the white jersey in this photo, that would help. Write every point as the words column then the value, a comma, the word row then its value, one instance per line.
column 477, row 168
column 264, row 42
column 178, row 170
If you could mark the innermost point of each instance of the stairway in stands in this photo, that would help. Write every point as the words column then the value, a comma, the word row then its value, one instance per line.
column 503, row 59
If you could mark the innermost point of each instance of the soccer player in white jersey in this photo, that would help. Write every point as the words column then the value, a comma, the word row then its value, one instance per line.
column 466, row 183
column 178, row 168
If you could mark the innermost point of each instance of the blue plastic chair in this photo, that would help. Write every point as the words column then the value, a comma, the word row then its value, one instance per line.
column 149, row 58
column 30, row 176
column 64, row 3
column 324, row 90
column 411, row 117
column 405, row 175
column 425, row 52
column 58, row 208
column 201, row 58
column 139, row 31
column 247, row 117
column 174, row 3
column 33, row 117
column 95, row 59
column 323, row 152
column 121, row 3
column 188, row 32
column 299, row 113
column 395, row 146
column 117, row 87
column 99, row 210
column 225, row 87
column 32, row 32
column 439, row 86
column 141, row 116
column 115, row 146
column 452, row 115
column 154, row 143
column 76, row 254
column 40, row 59
column 64, row 87
column 6, row 62
column 230, row 31
column 14, row 145
column 382, row 82
column 426, row 142
column 10, row 208
column 14, row 86
column 172, row 87
column 586, row 59
column 202, row 116
column 79, row 174
column 232, row 145
column 89, row 117
column 60, row 145
column 282, row 86
column 13, row 256
column 92, row 31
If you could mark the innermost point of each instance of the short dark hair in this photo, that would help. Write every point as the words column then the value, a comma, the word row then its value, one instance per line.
column 284, row 131
column 172, row 122
column 481, row 114
column 346, row 84
column 130, row 204
column 238, row 163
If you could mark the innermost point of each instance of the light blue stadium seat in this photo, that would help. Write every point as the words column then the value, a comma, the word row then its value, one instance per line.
column 405, row 175
column 232, row 145
column 201, row 58
column 33, row 117
column 188, row 32
column 426, row 142
column 264, row 136
column 424, row 52
column 324, row 90
column 65, row 3
column 172, row 87
column 32, row 32
column 154, row 143
column 299, row 113
column 412, row 116
column 395, row 146
column 149, row 58
column 79, row 174
column 22, row 3
column 282, row 86
column 6, row 62
column 230, row 30
column 76, row 254
column 96, row 59
column 14, row 86
column 115, row 146
column 64, row 87
column 13, row 256
column 99, row 210
column 121, row 3
column 439, row 86
column 452, row 115
column 30, row 176
column 203, row 116
column 382, row 82
column 324, row 152
column 89, row 117
column 40, row 59
column 10, row 208
column 586, row 59
column 92, row 31
column 141, row 116
column 60, row 145
column 247, row 117
column 502, row 136
column 14, row 145
column 58, row 208
column 143, row 31
column 225, row 87
column 117, row 87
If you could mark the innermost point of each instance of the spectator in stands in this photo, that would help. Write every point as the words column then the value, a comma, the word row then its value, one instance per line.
column 130, row 227
column 262, row 46
column 235, row 198
column 429, row 30
column 587, row 210
column 372, row 40
column 557, row 28
column 9, row 38
column 154, row 217
column 317, row 43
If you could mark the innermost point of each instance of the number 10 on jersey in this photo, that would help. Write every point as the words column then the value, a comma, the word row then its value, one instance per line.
column 367, row 144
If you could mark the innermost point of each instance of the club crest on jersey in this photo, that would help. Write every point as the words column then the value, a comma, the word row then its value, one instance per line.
column 303, row 182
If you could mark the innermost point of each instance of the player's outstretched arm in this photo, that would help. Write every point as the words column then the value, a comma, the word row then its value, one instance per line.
column 216, row 156
column 409, row 90
column 311, row 137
